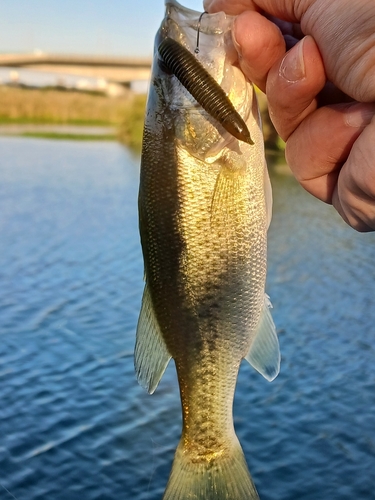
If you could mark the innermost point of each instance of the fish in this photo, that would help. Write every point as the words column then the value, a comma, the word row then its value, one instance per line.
column 205, row 205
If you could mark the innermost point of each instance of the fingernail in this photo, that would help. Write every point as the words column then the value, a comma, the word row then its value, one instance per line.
column 359, row 115
column 292, row 67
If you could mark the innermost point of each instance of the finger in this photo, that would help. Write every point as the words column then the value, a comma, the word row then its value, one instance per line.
column 319, row 147
column 346, row 42
column 259, row 44
column 283, row 9
column 354, row 196
column 233, row 7
column 293, row 85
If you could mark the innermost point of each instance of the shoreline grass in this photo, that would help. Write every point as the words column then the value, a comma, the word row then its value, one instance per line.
column 20, row 106
column 70, row 137
column 53, row 106
column 22, row 120
column 24, row 106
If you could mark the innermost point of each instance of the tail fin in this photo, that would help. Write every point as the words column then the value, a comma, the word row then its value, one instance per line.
column 223, row 477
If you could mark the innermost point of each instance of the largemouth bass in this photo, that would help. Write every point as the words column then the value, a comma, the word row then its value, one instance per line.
column 204, row 210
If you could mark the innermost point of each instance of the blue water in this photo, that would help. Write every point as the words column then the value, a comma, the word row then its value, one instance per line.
column 75, row 425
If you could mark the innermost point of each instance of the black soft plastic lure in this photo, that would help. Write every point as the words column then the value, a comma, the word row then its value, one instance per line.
column 203, row 87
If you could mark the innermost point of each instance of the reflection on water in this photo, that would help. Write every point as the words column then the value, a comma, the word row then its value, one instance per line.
column 73, row 421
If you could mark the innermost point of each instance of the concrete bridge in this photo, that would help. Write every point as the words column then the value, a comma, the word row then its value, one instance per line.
column 121, row 70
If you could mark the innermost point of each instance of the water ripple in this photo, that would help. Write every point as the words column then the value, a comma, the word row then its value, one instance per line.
column 75, row 424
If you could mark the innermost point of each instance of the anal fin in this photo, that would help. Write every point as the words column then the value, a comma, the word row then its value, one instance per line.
column 151, row 355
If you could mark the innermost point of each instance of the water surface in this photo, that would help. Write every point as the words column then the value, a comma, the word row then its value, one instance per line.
column 73, row 421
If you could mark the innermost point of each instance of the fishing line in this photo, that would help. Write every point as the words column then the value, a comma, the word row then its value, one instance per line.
column 198, row 31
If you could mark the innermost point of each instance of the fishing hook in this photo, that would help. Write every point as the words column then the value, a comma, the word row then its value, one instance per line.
column 198, row 31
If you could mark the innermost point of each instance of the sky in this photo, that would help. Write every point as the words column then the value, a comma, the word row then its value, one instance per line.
column 111, row 27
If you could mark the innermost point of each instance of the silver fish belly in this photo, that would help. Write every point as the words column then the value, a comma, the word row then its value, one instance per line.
column 204, row 210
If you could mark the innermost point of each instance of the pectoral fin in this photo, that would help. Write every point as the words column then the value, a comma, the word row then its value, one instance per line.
column 264, row 353
column 268, row 195
column 151, row 356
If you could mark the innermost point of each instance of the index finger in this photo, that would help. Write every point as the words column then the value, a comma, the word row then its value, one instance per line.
column 283, row 9
column 260, row 45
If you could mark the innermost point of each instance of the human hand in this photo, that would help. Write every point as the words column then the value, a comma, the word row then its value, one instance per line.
column 320, row 92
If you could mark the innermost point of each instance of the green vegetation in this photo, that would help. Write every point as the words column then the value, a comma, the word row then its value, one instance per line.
column 131, row 129
column 52, row 106
column 70, row 137
column 126, row 113
column 47, row 106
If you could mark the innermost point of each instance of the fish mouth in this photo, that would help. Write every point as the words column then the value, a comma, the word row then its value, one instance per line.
column 197, row 48
column 184, row 24
column 203, row 87
column 208, row 36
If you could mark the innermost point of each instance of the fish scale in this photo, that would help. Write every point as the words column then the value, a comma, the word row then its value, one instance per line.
column 204, row 213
